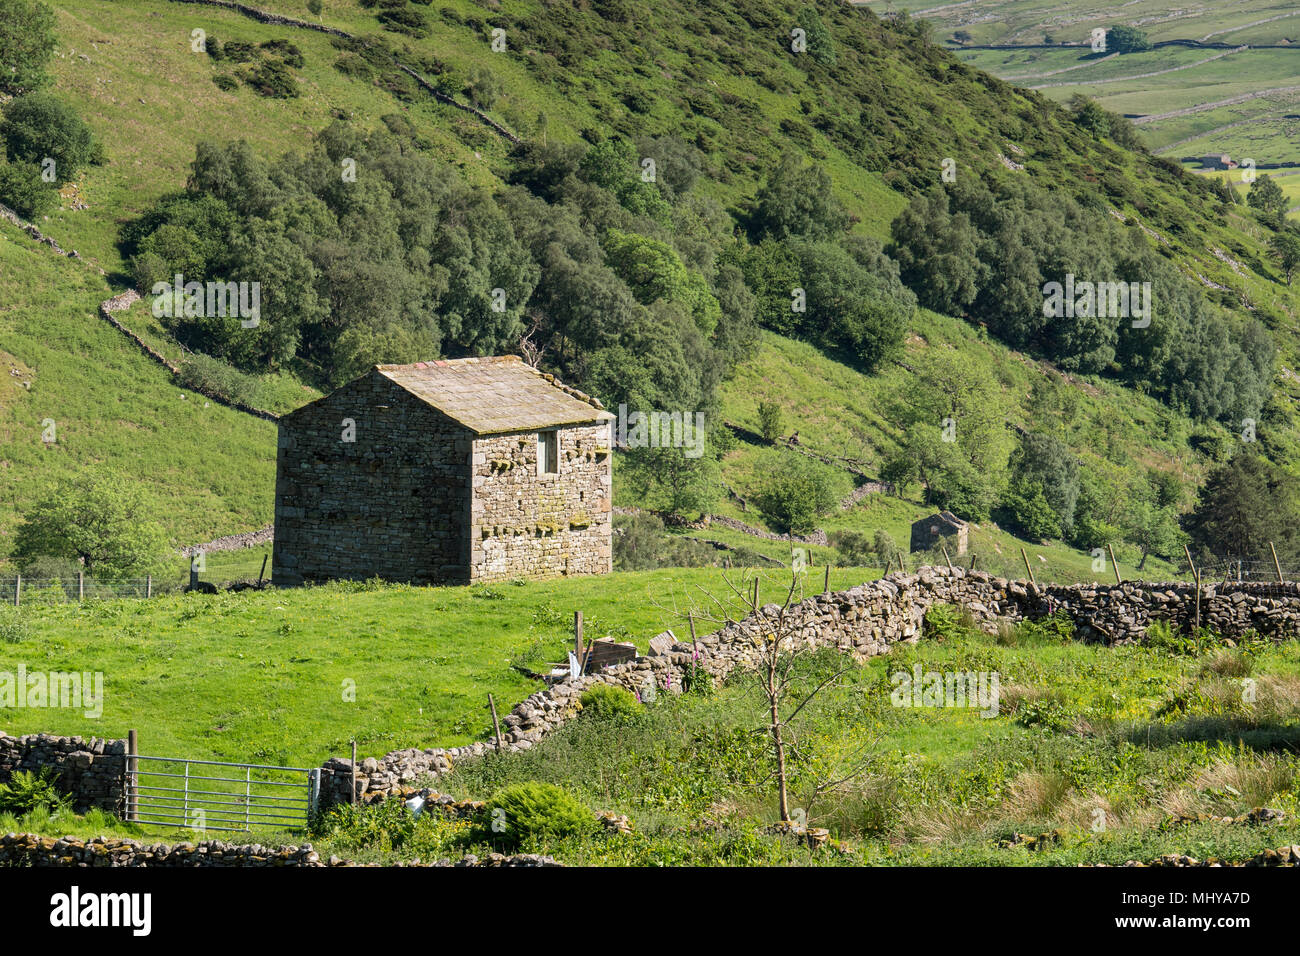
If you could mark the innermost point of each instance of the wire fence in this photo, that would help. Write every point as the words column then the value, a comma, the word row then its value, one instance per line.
column 70, row 588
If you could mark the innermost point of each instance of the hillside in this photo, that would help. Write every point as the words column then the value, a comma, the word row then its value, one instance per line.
column 878, row 120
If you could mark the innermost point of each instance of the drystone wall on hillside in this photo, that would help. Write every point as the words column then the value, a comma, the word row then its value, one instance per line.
column 865, row 621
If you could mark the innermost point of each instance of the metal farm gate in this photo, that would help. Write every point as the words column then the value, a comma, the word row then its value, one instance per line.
column 211, row 795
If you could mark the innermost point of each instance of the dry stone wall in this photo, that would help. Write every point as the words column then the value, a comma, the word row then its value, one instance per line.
column 90, row 771
column 865, row 621
column 31, row 849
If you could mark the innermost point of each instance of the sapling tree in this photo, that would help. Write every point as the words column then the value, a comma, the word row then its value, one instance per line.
column 777, row 667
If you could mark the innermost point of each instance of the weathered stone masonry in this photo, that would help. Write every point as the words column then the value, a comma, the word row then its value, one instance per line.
column 430, row 474
column 90, row 771
column 527, row 524
column 392, row 503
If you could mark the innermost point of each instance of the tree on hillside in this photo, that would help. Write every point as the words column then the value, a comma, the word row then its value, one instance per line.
column 1267, row 197
column 1246, row 503
column 1285, row 246
column 796, row 490
column 797, row 200
column 938, row 253
column 1126, row 39
column 39, row 126
column 26, row 44
column 954, row 417
column 101, row 519
column 1046, row 462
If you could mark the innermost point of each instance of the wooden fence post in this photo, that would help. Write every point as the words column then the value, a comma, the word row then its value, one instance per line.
column 496, row 724
column 1028, row 569
column 1196, row 577
column 695, row 645
column 353, row 798
column 18, row 589
column 826, row 587
column 577, row 635
column 944, row 547
column 148, row 585
column 1114, row 564
column 81, row 585
column 1276, row 567
column 262, row 573
column 131, row 786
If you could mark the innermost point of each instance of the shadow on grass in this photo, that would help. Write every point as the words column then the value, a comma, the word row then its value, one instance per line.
column 1260, row 736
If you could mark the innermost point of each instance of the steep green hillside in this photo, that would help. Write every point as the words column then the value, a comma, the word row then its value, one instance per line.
column 210, row 467
column 871, row 105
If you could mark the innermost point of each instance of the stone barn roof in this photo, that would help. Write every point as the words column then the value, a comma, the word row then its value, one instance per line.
column 496, row 394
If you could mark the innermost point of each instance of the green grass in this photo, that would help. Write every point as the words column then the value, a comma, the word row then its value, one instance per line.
column 1080, row 729
column 209, row 467
column 259, row 676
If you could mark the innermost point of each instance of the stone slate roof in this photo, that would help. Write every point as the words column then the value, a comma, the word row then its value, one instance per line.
column 942, row 519
column 496, row 394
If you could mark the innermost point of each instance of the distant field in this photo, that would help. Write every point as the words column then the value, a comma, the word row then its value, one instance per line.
column 1264, row 127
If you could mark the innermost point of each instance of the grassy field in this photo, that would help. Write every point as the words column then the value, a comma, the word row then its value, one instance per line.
column 1261, row 127
column 1142, row 735
column 1099, row 754
column 258, row 676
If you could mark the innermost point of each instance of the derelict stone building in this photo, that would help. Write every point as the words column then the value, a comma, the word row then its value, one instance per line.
column 452, row 471
column 942, row 528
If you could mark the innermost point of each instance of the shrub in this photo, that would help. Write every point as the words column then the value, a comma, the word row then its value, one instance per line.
column 13, row 624
column 28, row 791
column 531, row 810
column 797, row 491
column 23, row 190
column 608, row 702
column 273, row 78
column 771, row 420
column 40, row 126
column 225, row 81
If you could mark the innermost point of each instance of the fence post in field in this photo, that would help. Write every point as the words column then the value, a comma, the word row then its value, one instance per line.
column 353, row 790
column 695, row 644
column 313, row 793
column 194, row 576
column 577, row 635
column 1276, row 567
column 1028, row 569
column 18, row 589
column 826, row 586
column 262, row 573
column 1114, row 564
column 944, row 547
column 132, row 801
column 148, row 585
column 81, row 586
column 496, row 724
column 1196, row 576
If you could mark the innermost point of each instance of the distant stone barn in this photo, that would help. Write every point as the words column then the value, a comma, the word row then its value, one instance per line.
column 453, row 471
column 942, row 528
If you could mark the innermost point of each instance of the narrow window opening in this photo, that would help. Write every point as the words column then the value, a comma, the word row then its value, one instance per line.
column 548, row 453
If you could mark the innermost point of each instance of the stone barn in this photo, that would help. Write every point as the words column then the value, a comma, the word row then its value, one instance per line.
column 452, row 471
column 942, row 528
